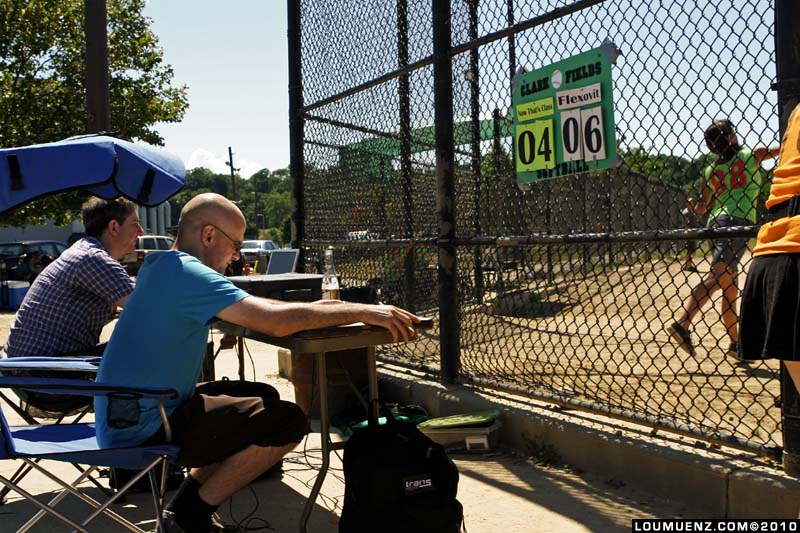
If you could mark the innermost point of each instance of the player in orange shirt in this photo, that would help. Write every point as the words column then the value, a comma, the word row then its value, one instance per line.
column 771, row 296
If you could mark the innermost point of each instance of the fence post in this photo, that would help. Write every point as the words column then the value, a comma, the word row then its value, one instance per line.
column 445, row 191
column 475, row 148
column 296, row 126
column 404, row 95
column 787, row 22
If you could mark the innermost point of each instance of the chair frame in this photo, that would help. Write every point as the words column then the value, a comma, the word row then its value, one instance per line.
column 32, row 363
column 95, row 457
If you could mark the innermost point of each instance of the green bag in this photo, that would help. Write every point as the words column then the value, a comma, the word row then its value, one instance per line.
column 477, row 419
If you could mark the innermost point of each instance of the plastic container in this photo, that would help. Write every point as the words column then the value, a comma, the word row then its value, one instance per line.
column 471, row 439
column 12, row 292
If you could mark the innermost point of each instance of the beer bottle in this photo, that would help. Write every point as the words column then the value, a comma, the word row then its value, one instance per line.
column 330, row 283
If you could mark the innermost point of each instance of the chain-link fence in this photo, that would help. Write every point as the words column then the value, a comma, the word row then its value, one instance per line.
column 567, row 290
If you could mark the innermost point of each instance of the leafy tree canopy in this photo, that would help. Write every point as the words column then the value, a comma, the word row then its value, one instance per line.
column 266, row 193
column 42, row 94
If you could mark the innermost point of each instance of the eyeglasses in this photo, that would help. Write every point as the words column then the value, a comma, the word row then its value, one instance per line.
column 237, row 245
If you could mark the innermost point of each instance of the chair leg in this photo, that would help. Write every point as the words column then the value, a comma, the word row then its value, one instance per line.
column 162, row 493
column 21, row 472
column 104, row 508
column 93, row 480
column 70, row 489
column 158, row 497
column 43, row 506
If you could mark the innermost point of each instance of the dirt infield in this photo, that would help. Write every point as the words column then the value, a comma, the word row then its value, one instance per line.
column 601, row 337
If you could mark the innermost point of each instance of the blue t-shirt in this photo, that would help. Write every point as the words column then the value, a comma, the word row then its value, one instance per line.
column 160, row 339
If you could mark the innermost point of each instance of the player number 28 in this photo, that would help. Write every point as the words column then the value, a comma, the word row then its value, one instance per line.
column 738, row 177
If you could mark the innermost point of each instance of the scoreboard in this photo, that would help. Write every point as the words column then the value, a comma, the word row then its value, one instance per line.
column 564, row 117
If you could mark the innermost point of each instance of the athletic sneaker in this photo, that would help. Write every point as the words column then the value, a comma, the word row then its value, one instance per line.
column 682, row 337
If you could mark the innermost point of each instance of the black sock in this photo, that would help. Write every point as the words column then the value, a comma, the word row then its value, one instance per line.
column 191, row 512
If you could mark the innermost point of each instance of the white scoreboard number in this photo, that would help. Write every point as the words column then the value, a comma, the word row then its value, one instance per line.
column 594, row 141
column 571, row 145
column 582, row 134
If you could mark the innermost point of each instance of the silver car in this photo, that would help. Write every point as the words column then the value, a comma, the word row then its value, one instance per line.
column 145, row 245
column 258, row 250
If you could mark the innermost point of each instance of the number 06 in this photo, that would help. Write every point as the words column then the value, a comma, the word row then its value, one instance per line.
column 594, row 142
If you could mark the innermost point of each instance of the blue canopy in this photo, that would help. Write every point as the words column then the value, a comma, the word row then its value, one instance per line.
column 104, row 166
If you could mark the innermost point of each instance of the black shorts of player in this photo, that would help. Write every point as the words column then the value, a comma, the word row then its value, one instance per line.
column 225, row 417
column 771, row 309
column 729, row 251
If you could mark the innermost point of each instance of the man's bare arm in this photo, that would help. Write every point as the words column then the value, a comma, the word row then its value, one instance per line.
column 762, row 153
column 285, row 318
column 121, row 301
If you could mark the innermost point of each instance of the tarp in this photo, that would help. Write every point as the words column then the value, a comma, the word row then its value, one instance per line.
column 104, row 166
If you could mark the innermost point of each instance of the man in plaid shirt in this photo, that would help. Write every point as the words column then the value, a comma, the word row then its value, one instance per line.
column 76, row 295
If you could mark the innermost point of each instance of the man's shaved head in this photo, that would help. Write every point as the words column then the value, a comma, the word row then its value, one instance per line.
column 209, row 208
column 211, row 228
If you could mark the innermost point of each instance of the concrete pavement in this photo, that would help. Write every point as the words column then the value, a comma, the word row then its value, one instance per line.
column 499, row 491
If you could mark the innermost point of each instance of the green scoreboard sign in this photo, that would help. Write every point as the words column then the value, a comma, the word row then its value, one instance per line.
column 564, row 117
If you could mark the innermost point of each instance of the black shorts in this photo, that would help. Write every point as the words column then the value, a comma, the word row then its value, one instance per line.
column 771, row 309
column 225, row 417
column 729, row 251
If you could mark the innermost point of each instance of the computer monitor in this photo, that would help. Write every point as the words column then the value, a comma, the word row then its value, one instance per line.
column 282, row 261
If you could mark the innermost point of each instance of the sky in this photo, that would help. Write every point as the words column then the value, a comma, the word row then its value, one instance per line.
column 233, row 57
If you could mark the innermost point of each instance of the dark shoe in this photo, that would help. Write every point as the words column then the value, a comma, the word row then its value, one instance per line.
column 689, row 268
column 682, row 337
column 216, row 526
column 733, row 353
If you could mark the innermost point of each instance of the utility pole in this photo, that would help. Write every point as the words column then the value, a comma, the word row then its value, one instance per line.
column 98, row 104
column 234, row 170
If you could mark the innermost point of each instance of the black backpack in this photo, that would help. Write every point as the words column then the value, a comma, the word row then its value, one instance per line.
column 398, row 480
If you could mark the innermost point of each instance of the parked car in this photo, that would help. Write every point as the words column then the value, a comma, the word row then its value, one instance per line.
column 145, row 245
column 11, row 252
column 260, row 251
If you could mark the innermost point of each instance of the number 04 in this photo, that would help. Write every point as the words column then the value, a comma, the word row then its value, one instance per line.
column 535, row 146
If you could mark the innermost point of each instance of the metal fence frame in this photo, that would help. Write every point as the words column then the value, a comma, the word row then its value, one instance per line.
column 447, row 243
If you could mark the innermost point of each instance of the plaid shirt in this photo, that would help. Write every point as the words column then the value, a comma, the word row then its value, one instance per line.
column 69, row 302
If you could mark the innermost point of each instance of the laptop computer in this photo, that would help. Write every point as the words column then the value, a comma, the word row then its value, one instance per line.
column 282, row 261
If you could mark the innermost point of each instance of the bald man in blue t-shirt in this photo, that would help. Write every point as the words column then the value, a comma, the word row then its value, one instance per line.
column 229, row 432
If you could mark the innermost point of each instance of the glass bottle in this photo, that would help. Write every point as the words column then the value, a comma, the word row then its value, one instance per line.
column 330, row 283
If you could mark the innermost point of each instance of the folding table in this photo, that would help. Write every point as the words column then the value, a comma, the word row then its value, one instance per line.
column 320, row 342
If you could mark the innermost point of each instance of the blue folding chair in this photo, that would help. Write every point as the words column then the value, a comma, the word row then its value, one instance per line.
column 29, row 366
column 77, row 444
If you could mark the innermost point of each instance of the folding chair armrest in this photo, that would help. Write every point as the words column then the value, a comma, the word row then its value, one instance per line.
column 50, row 364
column 81, row 387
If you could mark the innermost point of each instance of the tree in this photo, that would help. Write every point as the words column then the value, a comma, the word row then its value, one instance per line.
column 666, row 168
column 42, row 72
column 266, row 181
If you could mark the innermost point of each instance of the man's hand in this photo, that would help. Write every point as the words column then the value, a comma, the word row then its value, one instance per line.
column 399, row 322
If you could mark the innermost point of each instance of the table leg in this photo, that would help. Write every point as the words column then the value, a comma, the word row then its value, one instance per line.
column 372, row 378
column 324, row 436
column 240, row 354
